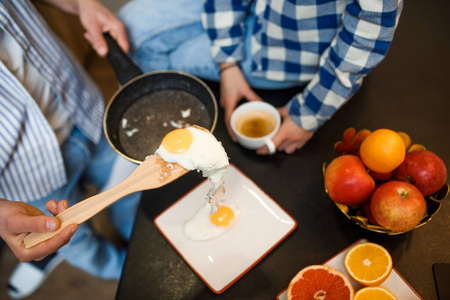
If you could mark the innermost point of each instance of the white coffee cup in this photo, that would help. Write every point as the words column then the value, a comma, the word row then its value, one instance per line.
column 254, row 124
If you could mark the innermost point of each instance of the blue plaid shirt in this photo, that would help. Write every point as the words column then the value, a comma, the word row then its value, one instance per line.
column 330, row 45
column 31, row 163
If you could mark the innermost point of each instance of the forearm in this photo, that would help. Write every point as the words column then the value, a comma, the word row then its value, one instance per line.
column 359, row 46
column 68, row 6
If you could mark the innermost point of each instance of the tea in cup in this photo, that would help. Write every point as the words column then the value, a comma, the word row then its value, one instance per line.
column 254, row 124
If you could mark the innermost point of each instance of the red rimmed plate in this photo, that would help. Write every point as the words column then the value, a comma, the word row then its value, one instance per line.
column 395, row 282
column 220, row 262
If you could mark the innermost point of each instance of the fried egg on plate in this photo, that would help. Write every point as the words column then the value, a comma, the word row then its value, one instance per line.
column 195, row 148
column 205, row 226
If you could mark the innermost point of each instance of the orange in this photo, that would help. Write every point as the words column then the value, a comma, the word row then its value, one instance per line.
column 416, row 147
column 369, row 264
column 406, row 138
column 383, row 150
column 319, row 282
column 374, row 293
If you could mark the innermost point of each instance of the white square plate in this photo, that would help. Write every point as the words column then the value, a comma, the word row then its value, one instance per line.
column 261, row 226
column 394, row 283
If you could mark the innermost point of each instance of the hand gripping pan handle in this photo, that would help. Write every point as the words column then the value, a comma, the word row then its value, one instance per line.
column 122, row 64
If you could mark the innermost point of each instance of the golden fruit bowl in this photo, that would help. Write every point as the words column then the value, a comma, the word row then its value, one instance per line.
column 354, row 213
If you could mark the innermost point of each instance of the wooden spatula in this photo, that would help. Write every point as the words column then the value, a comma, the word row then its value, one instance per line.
column 152, row 173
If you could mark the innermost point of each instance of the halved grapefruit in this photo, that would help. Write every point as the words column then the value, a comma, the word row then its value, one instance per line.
column 319, row 282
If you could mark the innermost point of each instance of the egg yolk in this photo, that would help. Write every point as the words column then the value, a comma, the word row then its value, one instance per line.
column 223, row 216
column 177, row 141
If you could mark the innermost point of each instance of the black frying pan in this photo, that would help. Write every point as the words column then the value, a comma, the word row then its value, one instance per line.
column 148, row 106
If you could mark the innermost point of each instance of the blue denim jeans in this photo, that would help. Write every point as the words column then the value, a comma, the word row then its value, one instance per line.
column 100, row 165
column 168, row 35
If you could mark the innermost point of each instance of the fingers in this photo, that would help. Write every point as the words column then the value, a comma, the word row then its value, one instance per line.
column 229, row 107
column 290, row 137
column 53, row 244
column 25, row 223
column 62, row 206
column 251, row 95
column 18, row 219
column 228, row 113
column 24, row 218
column 97, row 41
column 120, row 35
column 290, row 149
column 52, row 207
column 96, row 20
column 55, row 207
column 229, row 102
column 264, row 150
column 283, row 112
column 50, row 246
column 234, row 87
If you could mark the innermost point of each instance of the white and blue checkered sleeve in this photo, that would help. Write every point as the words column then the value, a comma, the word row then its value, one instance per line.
column 223, row 20
column 361, row 43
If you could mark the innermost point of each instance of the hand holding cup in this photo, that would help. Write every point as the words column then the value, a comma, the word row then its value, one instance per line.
column 255, row 124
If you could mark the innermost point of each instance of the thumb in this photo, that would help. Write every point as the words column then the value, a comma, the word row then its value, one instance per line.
column 25, row 223
column 283, row 111
column 228, row 113
column 251, row 95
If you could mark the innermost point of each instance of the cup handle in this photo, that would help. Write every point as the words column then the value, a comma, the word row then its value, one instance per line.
column 271, row 146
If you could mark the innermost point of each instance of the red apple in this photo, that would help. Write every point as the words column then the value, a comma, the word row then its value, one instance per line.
column 398, row 206
column 366, row 210
column 347, row 180
column 381, row 177
column 424, row 169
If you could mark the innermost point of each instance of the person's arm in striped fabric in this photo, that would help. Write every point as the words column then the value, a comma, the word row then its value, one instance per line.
column 224, row 23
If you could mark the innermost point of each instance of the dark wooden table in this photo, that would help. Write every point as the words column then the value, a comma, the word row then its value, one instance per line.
column 409, row 91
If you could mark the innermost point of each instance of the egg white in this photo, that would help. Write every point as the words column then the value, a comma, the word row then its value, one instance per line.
column 199, row 228
column 205, row 154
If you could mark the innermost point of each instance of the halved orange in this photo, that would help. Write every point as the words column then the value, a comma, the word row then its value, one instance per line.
column 374, row 293
column 319, row 282
column 369, row 264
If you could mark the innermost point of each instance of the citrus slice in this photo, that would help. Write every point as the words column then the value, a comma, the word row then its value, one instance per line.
column 374, row 293
column 369, row 264
column 319, row 282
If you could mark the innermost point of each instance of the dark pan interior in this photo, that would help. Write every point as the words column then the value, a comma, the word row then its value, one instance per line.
column 147, row 84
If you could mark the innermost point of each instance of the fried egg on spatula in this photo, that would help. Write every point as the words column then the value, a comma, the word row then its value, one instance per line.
column 196, row 148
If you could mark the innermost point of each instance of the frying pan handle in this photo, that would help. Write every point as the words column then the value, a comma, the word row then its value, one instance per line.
column 123, row 66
